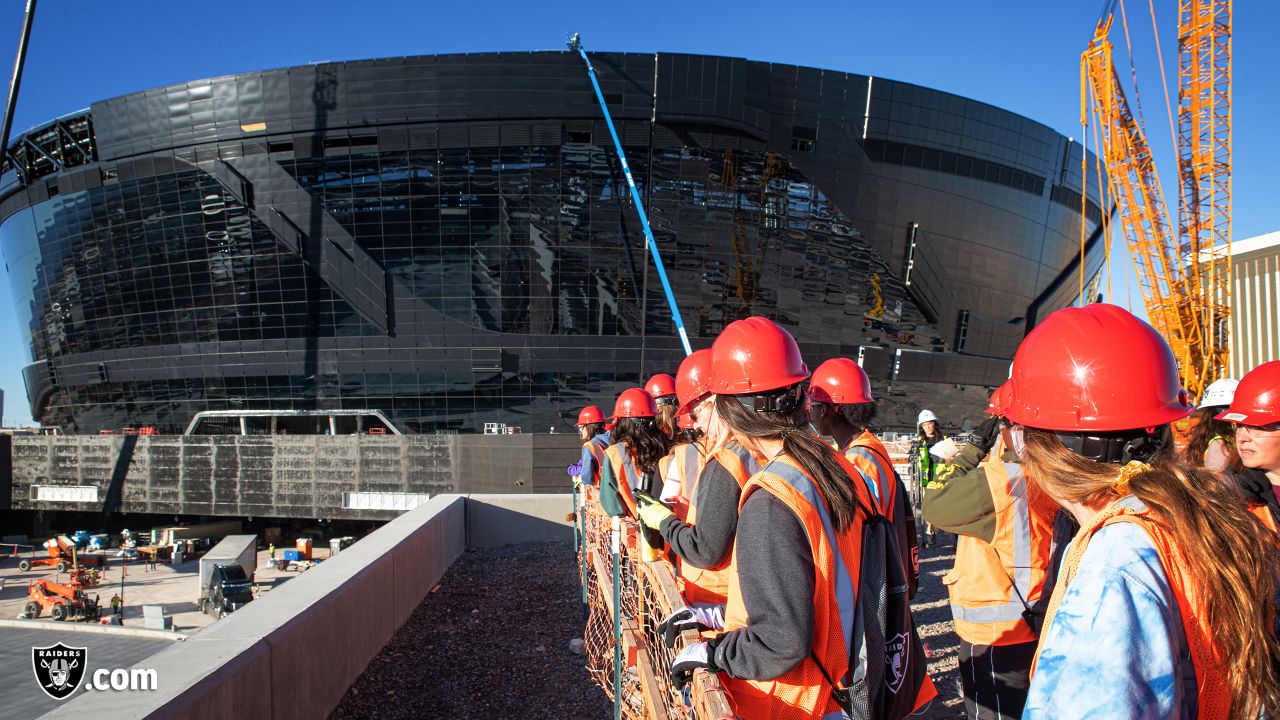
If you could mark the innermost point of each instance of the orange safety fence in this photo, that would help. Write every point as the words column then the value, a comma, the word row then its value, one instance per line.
column 647, row 593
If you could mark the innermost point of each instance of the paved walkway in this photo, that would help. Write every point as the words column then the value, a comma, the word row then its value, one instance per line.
column 21, row 697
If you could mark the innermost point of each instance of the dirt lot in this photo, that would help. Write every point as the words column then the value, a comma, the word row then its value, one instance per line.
column 173, row 587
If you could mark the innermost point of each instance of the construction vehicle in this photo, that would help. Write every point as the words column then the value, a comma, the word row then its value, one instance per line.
column 63, row 601
column 62, row 555
column 229, row 589
column 1185, row 276
column 238, row 551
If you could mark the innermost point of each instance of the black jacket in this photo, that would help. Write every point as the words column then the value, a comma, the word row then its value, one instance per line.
column 1257, row 489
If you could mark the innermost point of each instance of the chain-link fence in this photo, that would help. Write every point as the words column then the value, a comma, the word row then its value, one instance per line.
column 645, row 593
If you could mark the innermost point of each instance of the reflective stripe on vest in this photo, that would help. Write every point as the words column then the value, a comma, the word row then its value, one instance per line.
column 883, row 468
column 597, row 447
column 1021, row 575
column 690, row 469
column 846, row 595
column 629, row 469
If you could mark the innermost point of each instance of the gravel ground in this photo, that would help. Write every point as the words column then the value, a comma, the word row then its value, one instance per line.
column 932, row 613
column 492, row 641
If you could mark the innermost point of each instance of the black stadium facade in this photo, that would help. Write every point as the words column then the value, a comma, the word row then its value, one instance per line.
column 448, row 239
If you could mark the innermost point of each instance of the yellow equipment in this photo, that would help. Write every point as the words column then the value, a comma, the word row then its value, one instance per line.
column 1185, row 279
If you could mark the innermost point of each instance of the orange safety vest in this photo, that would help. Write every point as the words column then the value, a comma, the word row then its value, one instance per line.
column 871, row 459
column 1263, row 513
column 990, row 581
column 596, row 447
column 629, row 478
column 711, row 585
column 803, row 691
column 1214, row 700
column 688, row 466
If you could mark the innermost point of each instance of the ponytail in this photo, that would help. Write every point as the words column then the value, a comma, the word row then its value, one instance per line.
column 808, row 452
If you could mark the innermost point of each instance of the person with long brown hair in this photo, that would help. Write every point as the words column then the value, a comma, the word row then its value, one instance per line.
column 789, row 647
column 631, row 462
column 663, row 389
column 1166, row 596
column 1212, row 443
column 1255, row 416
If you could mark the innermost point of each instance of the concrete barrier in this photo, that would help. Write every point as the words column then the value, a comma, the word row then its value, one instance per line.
column 497, row 520
column 294, row 652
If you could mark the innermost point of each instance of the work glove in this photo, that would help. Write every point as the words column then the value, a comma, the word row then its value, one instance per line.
column 699, row 616
column 574, row 469
column 698, row 655
column 984, row 437
column 652, row 512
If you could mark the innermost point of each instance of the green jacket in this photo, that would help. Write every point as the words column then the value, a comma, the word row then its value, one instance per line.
column 958, row 500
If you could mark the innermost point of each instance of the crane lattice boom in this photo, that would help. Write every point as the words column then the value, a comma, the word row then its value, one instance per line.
column 1185, row 279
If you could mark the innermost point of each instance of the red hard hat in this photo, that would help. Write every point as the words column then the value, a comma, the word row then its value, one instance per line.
column 635, row 403
column 693, row 380
column 839, row 381
column 1094, row 369
column 590, row 414
column 999, row 399
column 685, row 422
column 661, row 385
column 754, row 356
column 1257, row 398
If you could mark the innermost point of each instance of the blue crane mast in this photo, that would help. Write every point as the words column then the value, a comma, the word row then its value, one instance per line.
column 575, row 45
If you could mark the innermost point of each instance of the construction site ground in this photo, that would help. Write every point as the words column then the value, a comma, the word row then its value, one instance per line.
column 490, row 641
column 493, row 640
column 173, row 587
column 20, row 695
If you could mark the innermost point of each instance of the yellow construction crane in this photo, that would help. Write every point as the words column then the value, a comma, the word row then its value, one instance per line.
column 1185, row 278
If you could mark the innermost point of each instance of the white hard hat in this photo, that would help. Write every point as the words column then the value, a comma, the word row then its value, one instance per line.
column 1219, row 393
column 926, row 416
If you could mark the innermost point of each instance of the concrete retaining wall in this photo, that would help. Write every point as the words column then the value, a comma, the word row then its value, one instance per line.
column 294, row 652
column 290, row 476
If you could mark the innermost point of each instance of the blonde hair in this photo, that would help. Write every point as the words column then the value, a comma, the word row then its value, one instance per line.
column 1232, row 553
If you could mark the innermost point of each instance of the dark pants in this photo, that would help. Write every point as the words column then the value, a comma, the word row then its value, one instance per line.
column 994, row 679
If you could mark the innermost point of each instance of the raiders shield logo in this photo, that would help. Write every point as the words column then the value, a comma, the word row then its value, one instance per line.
column 59, row 669
column 896, row 654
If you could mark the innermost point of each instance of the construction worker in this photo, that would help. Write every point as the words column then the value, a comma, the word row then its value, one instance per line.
column 595, row 440
column 680, row 469
column 789, row 647
column 1211, row 443
column 116, row 604
column 1165, row 599
column 928, row 434
column 840, row 406
column 631, row 461
column 1255, row 412
column 703, row 542
column 663, row 389
column 1003, row 553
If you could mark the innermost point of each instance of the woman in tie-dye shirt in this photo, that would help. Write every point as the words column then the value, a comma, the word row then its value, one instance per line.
column 1166, row 595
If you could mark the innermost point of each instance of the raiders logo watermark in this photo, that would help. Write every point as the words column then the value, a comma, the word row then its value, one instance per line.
column 59, row 669
column 896, row 654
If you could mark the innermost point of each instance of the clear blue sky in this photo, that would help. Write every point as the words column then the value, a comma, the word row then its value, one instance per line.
column 1017, row 54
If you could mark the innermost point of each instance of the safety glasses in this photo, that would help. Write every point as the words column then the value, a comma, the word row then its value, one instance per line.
column 1257, row 430
column 1018, row 438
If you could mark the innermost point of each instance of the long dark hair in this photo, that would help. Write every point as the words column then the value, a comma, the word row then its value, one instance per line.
column 593, row 429
column 1203, row 431
column 808, row 452
column 1231, row 554
column 646, row 441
